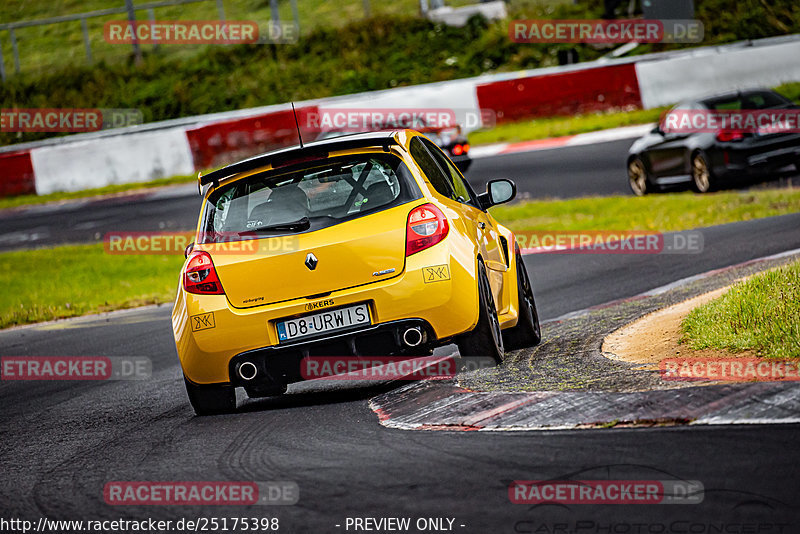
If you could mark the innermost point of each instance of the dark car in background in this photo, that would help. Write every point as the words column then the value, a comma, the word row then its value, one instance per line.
column 450, row 139
column 453, row 142
column 707, row 160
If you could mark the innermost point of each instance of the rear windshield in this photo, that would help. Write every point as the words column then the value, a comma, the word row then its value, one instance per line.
column 318, row 195
column 748, row 101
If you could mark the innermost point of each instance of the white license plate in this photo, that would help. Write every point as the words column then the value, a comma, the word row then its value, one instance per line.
column 326, row 321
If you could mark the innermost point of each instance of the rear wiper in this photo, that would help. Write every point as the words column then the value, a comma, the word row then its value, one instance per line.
column 302, row 224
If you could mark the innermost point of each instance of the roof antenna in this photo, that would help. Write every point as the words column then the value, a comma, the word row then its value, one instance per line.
column 298, row 125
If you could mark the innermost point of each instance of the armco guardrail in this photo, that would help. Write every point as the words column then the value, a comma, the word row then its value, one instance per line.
column 182, row 146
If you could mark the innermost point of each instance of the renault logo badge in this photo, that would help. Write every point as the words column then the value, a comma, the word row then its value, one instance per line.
column 311, row 261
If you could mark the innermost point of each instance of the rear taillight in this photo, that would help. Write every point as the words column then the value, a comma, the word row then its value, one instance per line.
column 457, row 150
column 726, row 136
column 199, row 276
column 426, row 226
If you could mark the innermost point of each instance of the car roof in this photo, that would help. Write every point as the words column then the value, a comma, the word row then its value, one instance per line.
column 734, row 94
column 384, row 138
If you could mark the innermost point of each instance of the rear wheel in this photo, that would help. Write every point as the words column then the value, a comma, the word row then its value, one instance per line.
column 702, row 180
column 528, row 332
column 637, row 178
column 485, row 339
column 212, row 399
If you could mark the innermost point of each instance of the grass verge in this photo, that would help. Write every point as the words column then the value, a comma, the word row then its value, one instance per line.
column 25, row 200
column 659, row 213
column 529, row 130
column 76, row 280
column 67, row 281
column 761, row 314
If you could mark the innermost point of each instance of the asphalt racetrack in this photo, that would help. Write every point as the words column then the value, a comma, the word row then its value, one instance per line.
column 63, row 441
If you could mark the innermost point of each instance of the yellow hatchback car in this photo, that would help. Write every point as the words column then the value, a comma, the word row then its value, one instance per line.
column 362, row 245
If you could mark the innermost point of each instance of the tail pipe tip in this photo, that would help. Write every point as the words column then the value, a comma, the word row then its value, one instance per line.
column 247, row 370
column 412, row 337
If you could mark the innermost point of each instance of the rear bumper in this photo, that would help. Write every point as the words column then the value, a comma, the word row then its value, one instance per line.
column 755, row 159
column 283, row 364
column 445, row 308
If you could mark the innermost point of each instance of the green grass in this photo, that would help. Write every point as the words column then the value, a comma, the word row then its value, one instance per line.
column 560, row 126
column 41, row 47
column 658, row 213
column 25, row 200
column 67, row 281
column 75, row 280
column 761, row 314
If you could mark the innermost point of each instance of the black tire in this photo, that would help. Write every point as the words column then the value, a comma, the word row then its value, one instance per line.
column 210, row 400
column 485, row 339
column 528, row 332
column 638, row 179
column 702, row 177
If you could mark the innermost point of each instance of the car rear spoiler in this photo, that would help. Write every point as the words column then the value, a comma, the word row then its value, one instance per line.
column 288, row 156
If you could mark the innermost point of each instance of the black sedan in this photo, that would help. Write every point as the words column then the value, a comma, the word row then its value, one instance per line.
column 705, row 158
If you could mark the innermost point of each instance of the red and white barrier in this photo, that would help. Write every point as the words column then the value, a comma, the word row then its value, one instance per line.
column 17, row 176
column 223, row 142
column 581, row 90
column 111, row 160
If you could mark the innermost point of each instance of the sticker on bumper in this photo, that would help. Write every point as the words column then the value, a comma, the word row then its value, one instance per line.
column 204, row 321
column 435, row 273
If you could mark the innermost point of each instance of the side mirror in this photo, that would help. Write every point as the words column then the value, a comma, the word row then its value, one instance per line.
column 657, row 130
column 498, row 192
column 188, row 249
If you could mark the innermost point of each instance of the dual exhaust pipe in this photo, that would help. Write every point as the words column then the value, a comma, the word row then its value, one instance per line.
column 412, row 337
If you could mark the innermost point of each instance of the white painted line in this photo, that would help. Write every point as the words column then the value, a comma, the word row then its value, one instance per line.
column 602, row 136
column 486, row 151
column 613, row 134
